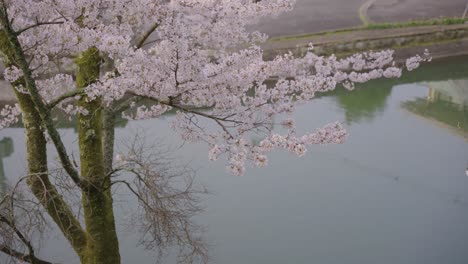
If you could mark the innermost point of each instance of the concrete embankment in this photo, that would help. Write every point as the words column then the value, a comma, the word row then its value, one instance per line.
column 442, row 41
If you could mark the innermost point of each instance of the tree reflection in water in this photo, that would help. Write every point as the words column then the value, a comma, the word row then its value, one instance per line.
column 6, row 149
column 446, row 105
column 364, row 104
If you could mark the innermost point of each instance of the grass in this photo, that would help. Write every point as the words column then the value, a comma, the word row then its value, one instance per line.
column 363, row 12
column 378, row 26
column 396, row 47
column 419, row 23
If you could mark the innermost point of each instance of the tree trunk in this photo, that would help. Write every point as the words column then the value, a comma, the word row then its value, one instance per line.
column 101, row 238
column 36, row 145
column 39, row 182
column 102, row 246
column 108, row 139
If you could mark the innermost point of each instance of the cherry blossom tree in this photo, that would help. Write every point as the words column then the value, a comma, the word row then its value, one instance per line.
column 100, row 59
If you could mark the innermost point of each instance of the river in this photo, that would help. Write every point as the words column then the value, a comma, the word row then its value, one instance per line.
column 395, row 193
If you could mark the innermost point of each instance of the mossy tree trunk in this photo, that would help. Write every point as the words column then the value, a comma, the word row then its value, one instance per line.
column 98, row 243
column 39, row 181
column 109, row 121
column 36, row 148
column 102, row 246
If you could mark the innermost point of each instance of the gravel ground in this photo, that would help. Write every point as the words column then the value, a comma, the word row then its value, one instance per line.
column 311, row 16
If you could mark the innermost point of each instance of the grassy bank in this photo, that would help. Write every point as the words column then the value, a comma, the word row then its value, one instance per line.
column 377, row 26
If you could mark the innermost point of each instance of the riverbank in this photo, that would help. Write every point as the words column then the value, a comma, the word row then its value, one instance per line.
column 441, row 40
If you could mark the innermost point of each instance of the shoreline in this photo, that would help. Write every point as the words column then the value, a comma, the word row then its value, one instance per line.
column 441, row 40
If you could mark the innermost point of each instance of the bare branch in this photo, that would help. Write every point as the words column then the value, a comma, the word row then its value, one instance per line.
column 18, row 32
column 147, row 35
column 65, row 96
column 21, row 256
column 18, row 233
column 20, row 218
column 23, row 216
column 168, row 199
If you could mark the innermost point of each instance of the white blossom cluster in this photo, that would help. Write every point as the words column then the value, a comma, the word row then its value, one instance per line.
column 12, row 74
column 194, row 56
column 143, row 112
column 414, row 62
column 9, row 115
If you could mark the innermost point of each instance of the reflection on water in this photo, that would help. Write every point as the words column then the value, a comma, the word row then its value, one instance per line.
column 446, row 82
column 446, row 105
column 62, row 121
column 6, row 150
column 363, row 104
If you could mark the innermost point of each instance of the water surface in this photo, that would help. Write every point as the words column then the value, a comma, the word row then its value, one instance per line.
column 395, row 193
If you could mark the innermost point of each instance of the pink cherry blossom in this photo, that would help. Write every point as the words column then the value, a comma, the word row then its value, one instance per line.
column 196, row 57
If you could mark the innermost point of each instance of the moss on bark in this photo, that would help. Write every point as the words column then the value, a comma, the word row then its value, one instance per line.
column 103, row 246
column 39, row 182
column 108, row 139
column 36, row 147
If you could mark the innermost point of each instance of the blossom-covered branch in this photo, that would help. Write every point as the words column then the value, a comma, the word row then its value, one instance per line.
column 142, row 59
column 205, row 58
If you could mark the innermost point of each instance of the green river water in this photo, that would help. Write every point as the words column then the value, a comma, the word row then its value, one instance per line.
column 395, row 193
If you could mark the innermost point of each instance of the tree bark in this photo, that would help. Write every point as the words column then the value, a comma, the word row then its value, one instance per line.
column 101, row 237
column 39, row 182
column 108, row 139
column 36, row 147
column 102, row 246
column 15, row 52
